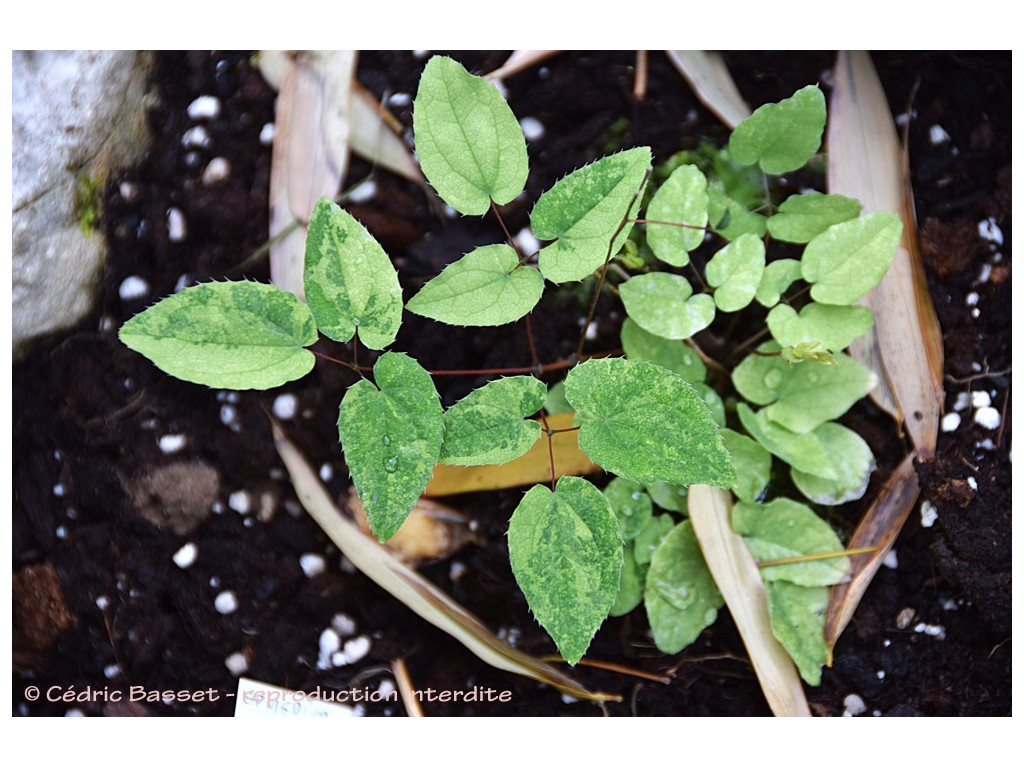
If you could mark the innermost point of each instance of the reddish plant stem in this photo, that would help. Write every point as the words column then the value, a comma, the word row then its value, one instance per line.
column 551, row 447
column 353, row 366
column 669, row 224
column 508, row 235
column 533, row 347
column 604, row 268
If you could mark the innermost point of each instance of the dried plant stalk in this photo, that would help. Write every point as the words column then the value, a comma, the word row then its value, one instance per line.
column 710, row 80
column 865, row 161
column 738, row 579
column 878, row 528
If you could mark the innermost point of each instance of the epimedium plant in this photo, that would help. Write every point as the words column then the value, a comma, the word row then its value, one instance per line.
column 651, row 418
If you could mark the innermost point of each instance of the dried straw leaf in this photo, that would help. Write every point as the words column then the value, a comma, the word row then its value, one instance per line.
column 736, row 574
column 375, row 136
column 878, row 528
column 431, row 532
column 517, row 62
column 407, row 586
column 310, row 156
column 532, row 467
column 865, row 161
column 710, row 80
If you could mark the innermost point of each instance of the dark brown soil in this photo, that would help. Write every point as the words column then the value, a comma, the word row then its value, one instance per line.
column 100, row 509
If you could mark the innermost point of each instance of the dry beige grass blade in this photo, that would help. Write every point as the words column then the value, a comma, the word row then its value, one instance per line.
column 532, row 467
column 878, row 528
column 407, row 586
column 311, row 139
column 865, row 161
column 737, row 576
column 711, row 82
column 517, row 62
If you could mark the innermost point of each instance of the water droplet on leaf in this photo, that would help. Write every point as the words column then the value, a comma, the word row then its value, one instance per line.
column 677, row 595
column 773, row 379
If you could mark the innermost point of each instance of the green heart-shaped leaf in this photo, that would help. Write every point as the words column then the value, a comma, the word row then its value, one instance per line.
column 487, row 426
column 784, row 136
column 802, row 396
column 679, row 358
column 662, row 304
column 731, row 219
column 735, row 271
column 391, row 434
column 682, row 200
column 631, row 583
column 631, row 505
column 680, row 595
column 349, row 281
column 566, row 556
column 797, row 616
column 645, row 423
column 775, row 281
column 650, row 537
column 853, row 470
column 803, row 217
column 834, row 327
column 783, row 529
column 752, row 463
column 814, row 453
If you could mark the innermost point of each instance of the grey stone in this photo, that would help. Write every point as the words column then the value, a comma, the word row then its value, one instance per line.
column 76, row 115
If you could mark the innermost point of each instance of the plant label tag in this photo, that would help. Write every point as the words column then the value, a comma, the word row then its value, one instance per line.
column 256, row 699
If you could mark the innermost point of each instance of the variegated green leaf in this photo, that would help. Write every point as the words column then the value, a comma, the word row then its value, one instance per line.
column 584, row 211
column 391, row 434
column 238, row 335
column 566, row 556
column 349, row 281
column 642, row 422
column 487, row 426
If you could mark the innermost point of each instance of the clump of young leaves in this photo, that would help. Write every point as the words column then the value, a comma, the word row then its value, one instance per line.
column 637, row 419
column 651, row 418
column 791, row 387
